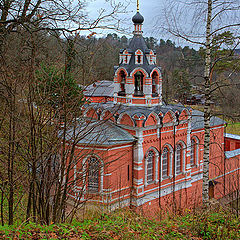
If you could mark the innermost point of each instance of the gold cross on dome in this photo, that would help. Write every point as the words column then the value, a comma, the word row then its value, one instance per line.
column 137, row 5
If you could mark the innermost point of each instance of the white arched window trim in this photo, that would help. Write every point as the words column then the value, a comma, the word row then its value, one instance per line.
column 84, row 169
column 197, row 150
column 138, row 55
column 170, row 148
column 155, row 164
column 184, row 148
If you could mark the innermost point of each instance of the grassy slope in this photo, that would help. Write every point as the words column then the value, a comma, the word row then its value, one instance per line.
column 128, row 225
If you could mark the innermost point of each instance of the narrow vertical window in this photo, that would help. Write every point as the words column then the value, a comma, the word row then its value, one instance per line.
column 150, row 159
column 139, row 59
column 178, row 162
column 126, row 59
column 93, row 175
column 122, row 77
column 165, row 160
column 193, row 153
column 154, row 83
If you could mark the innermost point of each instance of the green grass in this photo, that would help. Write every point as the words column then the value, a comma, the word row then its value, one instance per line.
column 124, row 224
column 233, row 128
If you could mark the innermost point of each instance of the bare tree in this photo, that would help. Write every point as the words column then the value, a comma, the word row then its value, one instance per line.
column 205, row 19
column 25, row 116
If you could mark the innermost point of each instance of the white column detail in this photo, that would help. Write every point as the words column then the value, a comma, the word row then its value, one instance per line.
column 138, row 148
column 156, row 168
column 116, row 87
column 147, row 88
column 129, row 89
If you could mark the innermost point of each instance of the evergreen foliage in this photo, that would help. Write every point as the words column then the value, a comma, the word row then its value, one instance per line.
column 58, row 88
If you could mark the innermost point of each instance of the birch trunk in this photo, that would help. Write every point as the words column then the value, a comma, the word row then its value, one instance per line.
column 205, row 196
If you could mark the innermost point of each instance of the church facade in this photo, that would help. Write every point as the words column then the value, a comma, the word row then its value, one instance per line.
column 139, row 152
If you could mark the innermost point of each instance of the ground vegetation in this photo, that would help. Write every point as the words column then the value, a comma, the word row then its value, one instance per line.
column 124, row 224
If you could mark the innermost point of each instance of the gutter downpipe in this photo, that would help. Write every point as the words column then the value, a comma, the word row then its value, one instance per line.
column 174, row 159
column 160, row 164
column 132, row 182
column 224, row 163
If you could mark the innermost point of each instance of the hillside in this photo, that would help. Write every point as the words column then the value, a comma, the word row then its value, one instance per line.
column 123, row 224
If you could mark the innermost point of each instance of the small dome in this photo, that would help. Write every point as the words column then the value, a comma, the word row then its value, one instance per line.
column 138, row 18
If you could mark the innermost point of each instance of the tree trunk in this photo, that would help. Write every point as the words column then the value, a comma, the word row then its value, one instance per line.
column 11, row 154
column 2, row 199
column 205, row 196
column 29, row 204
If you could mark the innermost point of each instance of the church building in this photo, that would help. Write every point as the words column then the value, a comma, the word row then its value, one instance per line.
column 136, row 151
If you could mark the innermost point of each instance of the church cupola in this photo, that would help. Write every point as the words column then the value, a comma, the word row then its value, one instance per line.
column 137, row 79
column 138, row 20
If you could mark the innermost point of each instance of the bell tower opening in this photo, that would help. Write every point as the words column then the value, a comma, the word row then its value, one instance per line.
column 138, row 81
column 122, row 76
column 154, row 84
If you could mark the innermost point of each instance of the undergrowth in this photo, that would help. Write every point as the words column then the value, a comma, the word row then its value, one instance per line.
column 125, row 224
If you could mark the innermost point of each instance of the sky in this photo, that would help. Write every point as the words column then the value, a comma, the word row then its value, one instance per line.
column 186, row 16
column 150, row 9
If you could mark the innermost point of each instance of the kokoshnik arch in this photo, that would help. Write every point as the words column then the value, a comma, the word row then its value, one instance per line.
column 139, row 152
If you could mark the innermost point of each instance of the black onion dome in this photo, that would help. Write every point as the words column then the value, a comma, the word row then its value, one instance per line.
column 138, row 18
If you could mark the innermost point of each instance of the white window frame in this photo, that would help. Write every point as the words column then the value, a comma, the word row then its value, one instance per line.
column 136, row 57
column 150, row 166
column 196, row 163
column 170, row 161
column 183, row 163
column 84, row 169
column 179, row 159
column 94, row 177
column 155, row 166
column 167, row 159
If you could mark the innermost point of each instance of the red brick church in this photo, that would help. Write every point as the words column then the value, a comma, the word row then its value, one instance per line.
column 137, row 151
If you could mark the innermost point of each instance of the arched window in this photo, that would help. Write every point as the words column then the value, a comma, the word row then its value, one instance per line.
column 150, row 167
column 138, row 57
column 179, row 158
column 122, row 83
column 154, row 84
column 93, row 175
column 194, row 152
column 165, row 162
column 138, row 77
